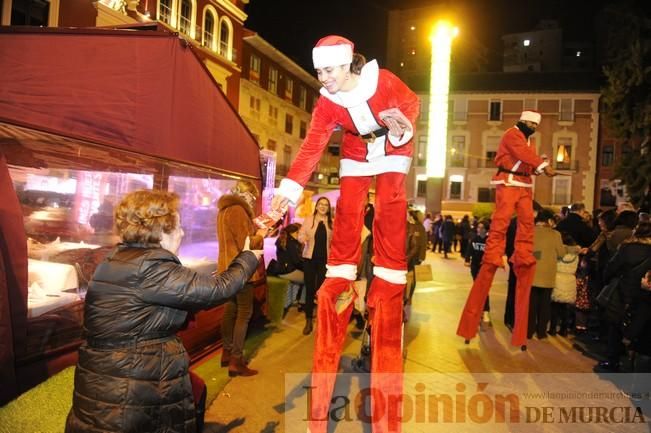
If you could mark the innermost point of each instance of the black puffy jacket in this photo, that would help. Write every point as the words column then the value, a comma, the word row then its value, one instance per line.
column 132, row 373
column 289, row 258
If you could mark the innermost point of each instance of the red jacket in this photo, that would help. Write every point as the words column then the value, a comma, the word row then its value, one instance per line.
column 356, row 112
column 515, row 153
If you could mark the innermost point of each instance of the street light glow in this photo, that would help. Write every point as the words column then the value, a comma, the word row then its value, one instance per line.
column 442, row 35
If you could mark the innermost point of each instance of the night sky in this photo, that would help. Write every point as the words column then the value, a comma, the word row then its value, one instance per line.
column 293, row 26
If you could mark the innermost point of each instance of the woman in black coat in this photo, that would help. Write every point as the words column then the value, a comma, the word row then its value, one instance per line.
column 632, row 261
column 132, row 374
column 289, row 255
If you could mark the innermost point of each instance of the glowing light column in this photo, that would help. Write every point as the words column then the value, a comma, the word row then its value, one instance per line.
column 437, row 131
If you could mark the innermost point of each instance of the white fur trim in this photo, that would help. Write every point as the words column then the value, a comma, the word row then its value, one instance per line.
column 348, row 272
column 512, row 183
column 399, row 141
column 531, row 116
column 332, row 55
column 384, row 164
column 290, row 189
column 366, row 87
column 540, row 168
column 394, row 276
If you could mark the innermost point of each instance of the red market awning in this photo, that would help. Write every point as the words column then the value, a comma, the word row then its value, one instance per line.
column 145, row 91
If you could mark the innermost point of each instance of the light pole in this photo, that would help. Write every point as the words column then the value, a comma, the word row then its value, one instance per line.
column 442, row 35
column 437, row 127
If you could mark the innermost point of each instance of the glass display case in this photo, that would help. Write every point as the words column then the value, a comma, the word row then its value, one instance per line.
column 67, row 193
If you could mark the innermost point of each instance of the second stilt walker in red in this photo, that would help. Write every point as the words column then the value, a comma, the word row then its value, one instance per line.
column 377, row 113
column 517, row 161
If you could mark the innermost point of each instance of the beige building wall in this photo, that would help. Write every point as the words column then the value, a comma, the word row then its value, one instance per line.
column 571, row 125
column 266, row 103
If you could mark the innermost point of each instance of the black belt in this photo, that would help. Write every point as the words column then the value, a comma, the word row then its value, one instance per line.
column 110, row 343
column 374, row 134
column 501, row 169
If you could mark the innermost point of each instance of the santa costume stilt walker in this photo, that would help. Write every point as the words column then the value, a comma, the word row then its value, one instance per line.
column 377, row 113
column 517, row 161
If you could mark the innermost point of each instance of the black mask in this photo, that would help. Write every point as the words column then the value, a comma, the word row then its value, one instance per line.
column 525, row 129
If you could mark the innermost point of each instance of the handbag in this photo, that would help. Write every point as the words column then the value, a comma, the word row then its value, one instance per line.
column 610, row 297
column 610, row 300
column 273, row 268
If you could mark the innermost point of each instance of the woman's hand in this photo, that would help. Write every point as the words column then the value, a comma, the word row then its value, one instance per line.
column 395, row 120
column 646, row 281
column 262, row 233
column 247, row 247
column 395, row 128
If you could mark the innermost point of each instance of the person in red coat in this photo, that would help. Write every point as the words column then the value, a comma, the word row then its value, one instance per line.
column 517, row 161
column 377, row 113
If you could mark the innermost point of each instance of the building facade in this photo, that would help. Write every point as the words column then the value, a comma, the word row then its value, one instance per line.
column 409, row 48
column 568, row 135
column 276, row 101
column 215, row 27
column 544, row 49
column 609, row 191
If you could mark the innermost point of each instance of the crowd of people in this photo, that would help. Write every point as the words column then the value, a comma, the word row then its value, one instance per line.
column 562, row 273
column 577, row 255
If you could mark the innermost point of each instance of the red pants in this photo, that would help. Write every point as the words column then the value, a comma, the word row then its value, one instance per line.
column 508, row 200
column 384, row 300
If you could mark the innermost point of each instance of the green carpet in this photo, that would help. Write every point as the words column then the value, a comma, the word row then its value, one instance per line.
column 44, row 409
column 277, row 295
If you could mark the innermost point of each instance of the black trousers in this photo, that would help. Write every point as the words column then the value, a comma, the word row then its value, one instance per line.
column 540, row 305
column 560, row 316
column 615, row 348
column 315, row 272
column 509, row 308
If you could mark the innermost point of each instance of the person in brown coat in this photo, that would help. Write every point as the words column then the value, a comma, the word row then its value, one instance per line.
column 234, row 225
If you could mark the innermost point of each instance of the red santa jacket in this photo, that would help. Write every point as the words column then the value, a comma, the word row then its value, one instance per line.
column 516, row 154
column 356, row 112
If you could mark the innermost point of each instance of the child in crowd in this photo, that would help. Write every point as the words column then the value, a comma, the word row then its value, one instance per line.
column 564, row 292
column 582, row 303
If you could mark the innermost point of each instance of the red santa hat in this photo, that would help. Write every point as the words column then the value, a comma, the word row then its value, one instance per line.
column 531, row 116
column 332, row 50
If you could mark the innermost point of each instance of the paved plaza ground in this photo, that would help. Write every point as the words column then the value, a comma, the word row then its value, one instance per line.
column 437, row 362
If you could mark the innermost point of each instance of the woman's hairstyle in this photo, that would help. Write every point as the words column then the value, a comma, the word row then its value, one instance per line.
column 627, row 218
column 285, row 233
column 608, row 217
column 485, row 222
column 416, row 215
column 143, row 216
column 329, row 211
column 643, row 230
column 357, row 64
column 544, row 215
column 243, row 186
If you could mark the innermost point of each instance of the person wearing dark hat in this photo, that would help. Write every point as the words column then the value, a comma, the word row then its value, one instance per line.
column 574, row 225
column 377, row 113
column 517, row 161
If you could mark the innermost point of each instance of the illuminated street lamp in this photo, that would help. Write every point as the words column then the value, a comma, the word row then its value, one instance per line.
column 442, row 35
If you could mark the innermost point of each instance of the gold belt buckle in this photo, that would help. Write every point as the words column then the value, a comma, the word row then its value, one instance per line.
column 371, row 138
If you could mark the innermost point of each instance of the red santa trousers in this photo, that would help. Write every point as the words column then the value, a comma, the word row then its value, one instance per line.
column 384, row 301
column 509, row 199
